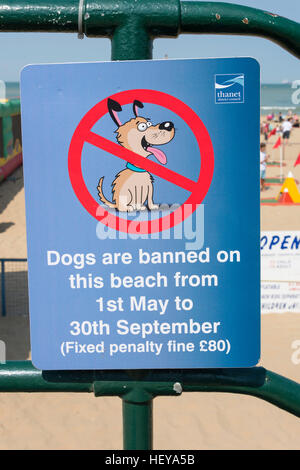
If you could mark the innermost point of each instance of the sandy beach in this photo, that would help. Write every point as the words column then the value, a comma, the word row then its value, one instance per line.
column 192, row 421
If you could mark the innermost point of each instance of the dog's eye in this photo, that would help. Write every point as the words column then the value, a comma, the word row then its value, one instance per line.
column 142, row 126
column 149, row 123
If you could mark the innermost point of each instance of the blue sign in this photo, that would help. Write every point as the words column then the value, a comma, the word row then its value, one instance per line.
column 142, row 206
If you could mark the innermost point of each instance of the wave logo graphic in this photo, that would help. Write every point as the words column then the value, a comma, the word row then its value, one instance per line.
column 229, row 88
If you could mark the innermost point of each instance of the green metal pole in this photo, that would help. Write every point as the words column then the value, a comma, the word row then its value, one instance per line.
column 137, row 23
column 137, row 425
column 131, row 42
column 137, row 393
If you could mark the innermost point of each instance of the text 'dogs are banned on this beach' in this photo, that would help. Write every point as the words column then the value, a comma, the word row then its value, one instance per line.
column 119, row 335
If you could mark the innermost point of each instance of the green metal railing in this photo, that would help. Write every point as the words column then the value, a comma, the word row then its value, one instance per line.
column 138, row 388
column 132, row 26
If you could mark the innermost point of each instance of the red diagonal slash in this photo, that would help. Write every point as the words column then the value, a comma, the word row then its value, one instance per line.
column 141, row 162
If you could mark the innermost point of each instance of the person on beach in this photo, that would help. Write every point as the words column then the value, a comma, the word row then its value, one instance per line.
column 263, row 165
column 295, row 120
column 265, row 130
column 286, row 129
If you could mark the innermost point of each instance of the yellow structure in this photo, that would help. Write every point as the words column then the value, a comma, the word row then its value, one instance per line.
column 291, row 186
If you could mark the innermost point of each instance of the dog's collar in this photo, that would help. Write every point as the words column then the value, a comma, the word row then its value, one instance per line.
column 134, row 168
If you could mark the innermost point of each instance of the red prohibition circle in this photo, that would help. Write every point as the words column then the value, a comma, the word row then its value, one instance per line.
column 197, row 188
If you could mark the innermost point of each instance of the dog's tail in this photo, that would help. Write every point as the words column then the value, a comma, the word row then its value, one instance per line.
column 101, row 195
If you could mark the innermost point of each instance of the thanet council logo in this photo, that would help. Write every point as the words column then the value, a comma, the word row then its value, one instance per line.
column 229, row 88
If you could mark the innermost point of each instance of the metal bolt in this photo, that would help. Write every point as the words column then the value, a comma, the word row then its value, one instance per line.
column 177, row 387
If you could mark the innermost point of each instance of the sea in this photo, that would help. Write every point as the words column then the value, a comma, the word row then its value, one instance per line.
column 275, row 98
column 280, row 97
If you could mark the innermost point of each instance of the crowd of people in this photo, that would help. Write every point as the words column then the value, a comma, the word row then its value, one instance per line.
column 282, row 125
column 272, row 125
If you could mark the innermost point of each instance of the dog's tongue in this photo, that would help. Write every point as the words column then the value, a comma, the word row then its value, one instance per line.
column 159, row 154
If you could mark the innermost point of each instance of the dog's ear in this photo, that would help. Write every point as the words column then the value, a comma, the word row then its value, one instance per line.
column 137, row 104
column 114, row 107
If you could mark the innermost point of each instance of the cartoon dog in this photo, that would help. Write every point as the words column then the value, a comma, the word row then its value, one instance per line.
column 133, row 186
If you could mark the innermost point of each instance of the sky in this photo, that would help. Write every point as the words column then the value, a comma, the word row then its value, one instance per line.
column 277, row 65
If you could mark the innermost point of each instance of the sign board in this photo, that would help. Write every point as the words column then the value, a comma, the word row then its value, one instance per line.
column 280, row 274
column 142, row 206
column 280, row 255
column 280, row 297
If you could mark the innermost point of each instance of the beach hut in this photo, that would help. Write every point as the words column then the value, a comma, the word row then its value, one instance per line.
column 10, row 137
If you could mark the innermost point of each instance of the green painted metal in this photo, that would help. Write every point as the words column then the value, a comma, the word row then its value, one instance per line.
column 138, row 389
column 131, row 41
column 225, row 18
column 137, row 425
column 138, row 23
column 142, row 386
